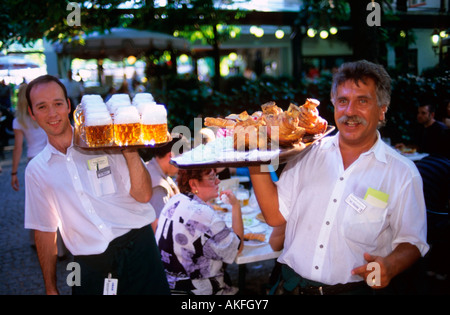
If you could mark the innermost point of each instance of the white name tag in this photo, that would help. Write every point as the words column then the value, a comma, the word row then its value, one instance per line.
column 110, row 286
column 355, row 203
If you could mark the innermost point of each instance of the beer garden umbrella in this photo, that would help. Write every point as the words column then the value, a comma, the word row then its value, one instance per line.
column 119, row 43
column 16, row 68
column 14, row 62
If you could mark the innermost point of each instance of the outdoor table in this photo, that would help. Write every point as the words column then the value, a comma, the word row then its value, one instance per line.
column 251, row 254
column 254, row 251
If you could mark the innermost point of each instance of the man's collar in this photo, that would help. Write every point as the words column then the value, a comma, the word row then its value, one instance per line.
column 49, row 150
column 378, row 148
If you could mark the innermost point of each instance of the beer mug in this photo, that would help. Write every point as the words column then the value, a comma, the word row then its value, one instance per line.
column 92, row 108
column 87, row 101
column 78, row 115
column 127, row 126
column 154, row 124
column 243, row 195
column 98, row 130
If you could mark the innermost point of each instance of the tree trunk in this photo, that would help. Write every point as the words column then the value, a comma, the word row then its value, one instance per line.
column 296, row 43
column 365, row 37
column 216, row 56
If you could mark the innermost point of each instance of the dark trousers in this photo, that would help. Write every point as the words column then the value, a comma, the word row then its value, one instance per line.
column 134, row 259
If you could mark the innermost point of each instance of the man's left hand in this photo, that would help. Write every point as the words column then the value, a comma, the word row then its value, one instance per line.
column 375, row 272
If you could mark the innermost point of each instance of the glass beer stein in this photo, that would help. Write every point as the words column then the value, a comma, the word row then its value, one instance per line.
column 127, row 126
column 154, row 124
column 98, row 130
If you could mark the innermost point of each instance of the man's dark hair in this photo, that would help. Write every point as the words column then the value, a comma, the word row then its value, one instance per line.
column 431, row 108
column 163, row 150
column 47, row 78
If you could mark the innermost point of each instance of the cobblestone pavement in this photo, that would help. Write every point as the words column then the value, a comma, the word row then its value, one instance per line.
column 19, row 267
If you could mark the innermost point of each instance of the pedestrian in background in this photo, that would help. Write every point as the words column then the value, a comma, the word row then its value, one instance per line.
column 25, row 130
column 75, row 92
column 161, row 172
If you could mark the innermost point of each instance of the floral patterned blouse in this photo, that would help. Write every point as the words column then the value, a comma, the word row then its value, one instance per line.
column 194, row 242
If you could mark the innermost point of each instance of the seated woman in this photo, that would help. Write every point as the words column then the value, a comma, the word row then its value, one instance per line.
column 194, row 240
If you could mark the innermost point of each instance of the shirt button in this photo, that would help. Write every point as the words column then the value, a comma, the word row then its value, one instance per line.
column 320, row 246
column 100, row 226
column 75, row 177
column 341, row 178
column 334, row 200
column 316, row 267
column 68, row 159
column 327, row 223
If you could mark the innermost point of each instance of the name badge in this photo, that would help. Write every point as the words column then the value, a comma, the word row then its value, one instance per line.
column 376, row 198
column 104, row 172
column 110, row 286
column 98, row 163
column 355, row 203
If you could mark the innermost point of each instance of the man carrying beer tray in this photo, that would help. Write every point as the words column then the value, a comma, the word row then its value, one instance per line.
column 98, row 200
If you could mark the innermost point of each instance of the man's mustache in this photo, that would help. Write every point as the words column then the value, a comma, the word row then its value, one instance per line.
column 352, row 119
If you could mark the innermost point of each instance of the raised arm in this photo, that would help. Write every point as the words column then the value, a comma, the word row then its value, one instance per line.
column 236, row 217
column 267, row 195
column 141, row 182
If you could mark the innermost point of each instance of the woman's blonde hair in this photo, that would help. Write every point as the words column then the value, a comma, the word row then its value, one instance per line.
column 22, row 107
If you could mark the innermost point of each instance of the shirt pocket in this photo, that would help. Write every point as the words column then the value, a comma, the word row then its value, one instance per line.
column 364, row 227
column 101, row 185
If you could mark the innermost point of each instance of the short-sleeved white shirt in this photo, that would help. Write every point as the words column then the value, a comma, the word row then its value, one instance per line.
column 35, row 137
column 90, row 209
column 325, row 236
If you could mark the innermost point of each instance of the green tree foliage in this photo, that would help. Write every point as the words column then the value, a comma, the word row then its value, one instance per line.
column 26, row 21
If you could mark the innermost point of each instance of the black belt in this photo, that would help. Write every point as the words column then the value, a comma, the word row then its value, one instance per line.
column 331, row 289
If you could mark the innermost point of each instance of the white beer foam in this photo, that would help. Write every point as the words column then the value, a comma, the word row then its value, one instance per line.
column 95, row 107
column 126, row 115
column 116, row 101
column 98, row 119
column 119, row 96
column 91, row 99
column 142, row 105
column 115, row 105
column 142, row 97
column 154, row 115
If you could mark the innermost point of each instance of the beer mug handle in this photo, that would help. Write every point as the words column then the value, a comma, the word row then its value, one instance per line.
column 82, row 133
column 77, row 115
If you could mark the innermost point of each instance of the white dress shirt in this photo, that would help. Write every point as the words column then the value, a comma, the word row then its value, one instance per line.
column 327, row 236
column 90, row 209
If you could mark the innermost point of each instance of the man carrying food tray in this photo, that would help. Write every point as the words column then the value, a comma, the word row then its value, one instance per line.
column 97, row 199
column 353, row 207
